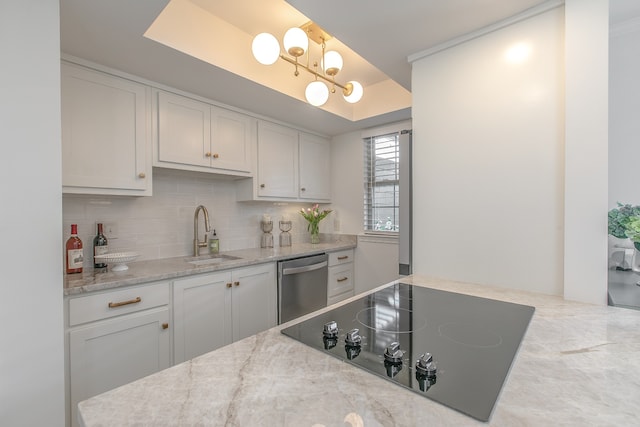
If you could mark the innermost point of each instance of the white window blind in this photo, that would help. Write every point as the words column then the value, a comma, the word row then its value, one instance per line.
column 381, row 183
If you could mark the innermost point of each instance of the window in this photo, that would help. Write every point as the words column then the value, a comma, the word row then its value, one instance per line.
column 381, row 183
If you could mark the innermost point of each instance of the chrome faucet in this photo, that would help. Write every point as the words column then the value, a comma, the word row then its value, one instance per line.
column 196, row 243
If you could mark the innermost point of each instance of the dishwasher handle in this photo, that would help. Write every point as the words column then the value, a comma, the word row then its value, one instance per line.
column 306, row 268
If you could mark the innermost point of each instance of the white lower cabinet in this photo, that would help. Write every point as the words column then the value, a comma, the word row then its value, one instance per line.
column 215, row 309
column 116, row 337
column 340, row 278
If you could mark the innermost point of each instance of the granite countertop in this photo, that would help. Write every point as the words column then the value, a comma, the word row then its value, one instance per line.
column 577, row 365
column 169, row 268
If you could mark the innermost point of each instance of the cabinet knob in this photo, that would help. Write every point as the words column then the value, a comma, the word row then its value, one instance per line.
column 165, row 326
column 262, row 185
column 303, row 189
column 229, row 285
column 216, row 155
column 207, row 154
column 236, row 283
column 142, row 175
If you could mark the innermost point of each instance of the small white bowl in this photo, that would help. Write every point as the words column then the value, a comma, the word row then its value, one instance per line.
column 120, row 259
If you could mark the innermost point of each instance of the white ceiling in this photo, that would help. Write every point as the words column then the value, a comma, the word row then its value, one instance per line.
column 383, row 33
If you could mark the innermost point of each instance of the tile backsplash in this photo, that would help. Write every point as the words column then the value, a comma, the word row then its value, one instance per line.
column 161, row 226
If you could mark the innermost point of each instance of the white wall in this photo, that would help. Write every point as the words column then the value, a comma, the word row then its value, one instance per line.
column 586, row 136
column 376, row 258
column 346, row 182
column 488, row 158
column 624, row 113
column 31, row 355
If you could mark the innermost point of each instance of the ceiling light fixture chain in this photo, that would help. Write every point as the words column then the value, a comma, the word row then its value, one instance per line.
column 266, row 50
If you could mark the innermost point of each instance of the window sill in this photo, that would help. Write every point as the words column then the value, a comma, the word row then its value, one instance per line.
column 378, row 237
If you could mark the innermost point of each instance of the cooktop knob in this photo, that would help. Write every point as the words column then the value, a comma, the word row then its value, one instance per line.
column 393, row 354
column 352, row 351
column 425, row 382
column 353, row 338
column 329, row 342
column 330, row 329
column 425, row 365
column 392, row 368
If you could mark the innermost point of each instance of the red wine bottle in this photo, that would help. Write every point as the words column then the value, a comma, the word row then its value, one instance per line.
column 100, row 247
column 74, row 252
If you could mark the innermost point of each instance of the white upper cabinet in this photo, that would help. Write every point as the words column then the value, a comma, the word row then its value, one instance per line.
column 315, row 167
column 291, row 166
column 194, row 135
column 277, row 161
column 106, row 133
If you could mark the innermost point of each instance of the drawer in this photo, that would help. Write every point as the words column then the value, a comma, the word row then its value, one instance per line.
column 340, row 257
column 115, row 303
column 340, row 280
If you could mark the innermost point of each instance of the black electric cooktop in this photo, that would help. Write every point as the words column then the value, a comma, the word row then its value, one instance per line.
column 452, row 348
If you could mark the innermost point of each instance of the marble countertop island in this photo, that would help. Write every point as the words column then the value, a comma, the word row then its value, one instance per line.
column 578, row 364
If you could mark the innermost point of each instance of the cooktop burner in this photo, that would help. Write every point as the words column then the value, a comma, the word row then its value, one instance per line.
column 452, row 348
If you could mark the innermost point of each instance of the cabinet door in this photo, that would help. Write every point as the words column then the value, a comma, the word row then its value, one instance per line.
column 111, row 353
column 105, row 133
column 201, row 314
column 254, row 306
column 184, row 130
column 315, row 168
column 231, row 137
column 277, row 161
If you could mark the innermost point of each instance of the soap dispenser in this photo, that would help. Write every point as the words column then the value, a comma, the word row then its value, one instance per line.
column 214, row 243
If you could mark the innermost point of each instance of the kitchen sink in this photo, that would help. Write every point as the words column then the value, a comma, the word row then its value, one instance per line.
column 211, row 259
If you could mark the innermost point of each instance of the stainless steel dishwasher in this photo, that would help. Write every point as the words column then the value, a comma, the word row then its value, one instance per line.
column 302, row 286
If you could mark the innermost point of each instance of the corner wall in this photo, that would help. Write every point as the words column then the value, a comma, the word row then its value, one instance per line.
column 31, row 359
column 624, row 110
column 586, row 136
column 488, row 158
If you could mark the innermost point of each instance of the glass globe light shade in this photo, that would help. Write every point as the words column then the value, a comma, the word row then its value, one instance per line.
column 295, row 41
column 316, row 93
column 332, row 63
column 356, row 92
column 265, row 48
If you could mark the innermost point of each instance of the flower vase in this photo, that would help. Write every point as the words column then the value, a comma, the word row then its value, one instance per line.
column 314, row 229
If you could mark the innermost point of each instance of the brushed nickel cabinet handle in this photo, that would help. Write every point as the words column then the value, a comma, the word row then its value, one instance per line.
column 120, row 304
column 343, row 279
column 142, row 175
column 229, row 285
column 165, row 326
column 340, row 258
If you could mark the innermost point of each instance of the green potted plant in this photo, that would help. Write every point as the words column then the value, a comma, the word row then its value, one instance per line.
column 619, row 241
column 619, row 218
column 633, row 230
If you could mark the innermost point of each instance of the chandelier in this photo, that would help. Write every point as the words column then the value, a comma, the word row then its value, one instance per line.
column 266, row 50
